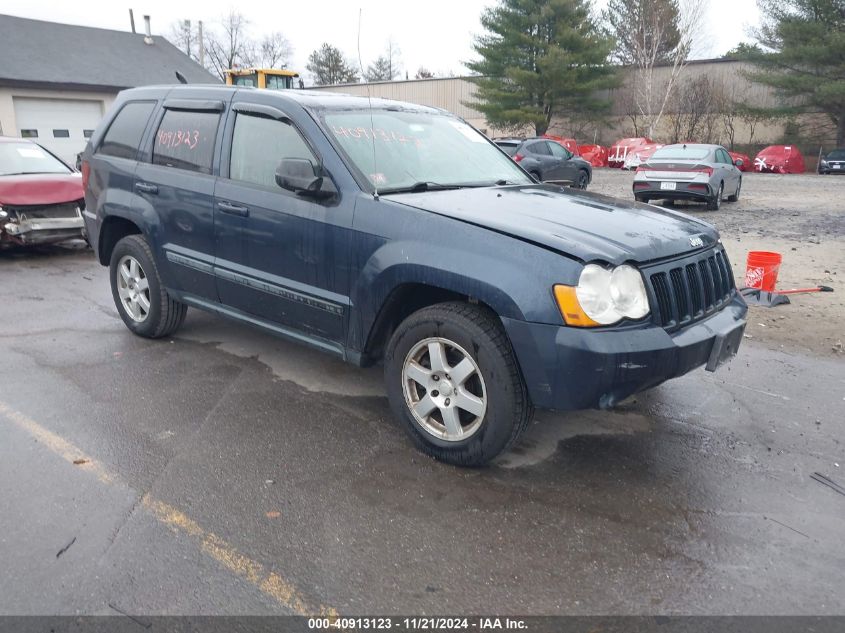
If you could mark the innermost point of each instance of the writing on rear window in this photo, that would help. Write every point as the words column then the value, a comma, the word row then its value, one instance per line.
column 185, row 140
column 171, row 138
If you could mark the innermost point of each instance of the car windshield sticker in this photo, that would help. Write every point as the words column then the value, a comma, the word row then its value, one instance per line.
column 31, row 152
column 467, row 131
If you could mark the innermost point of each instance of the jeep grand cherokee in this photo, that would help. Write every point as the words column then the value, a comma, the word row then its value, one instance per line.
column 395, row 233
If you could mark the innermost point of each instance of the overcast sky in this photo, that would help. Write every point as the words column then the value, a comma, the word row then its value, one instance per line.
column 436, row 34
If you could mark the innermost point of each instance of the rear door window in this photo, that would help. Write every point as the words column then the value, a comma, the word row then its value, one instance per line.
column 124, row 134
column 259, row 143
column 559, row 151
column 540, row 148
column 185, row 140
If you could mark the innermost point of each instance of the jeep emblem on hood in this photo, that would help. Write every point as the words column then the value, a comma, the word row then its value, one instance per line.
column 696, row 242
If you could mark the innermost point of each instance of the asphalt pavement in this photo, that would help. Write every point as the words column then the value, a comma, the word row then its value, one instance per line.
column 224, row 471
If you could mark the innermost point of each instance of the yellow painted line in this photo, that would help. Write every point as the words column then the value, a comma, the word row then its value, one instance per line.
column 272, row 584
column 55, row 443
column 283, row 591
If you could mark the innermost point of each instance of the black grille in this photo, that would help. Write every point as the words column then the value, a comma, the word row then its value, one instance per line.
column 687, row 290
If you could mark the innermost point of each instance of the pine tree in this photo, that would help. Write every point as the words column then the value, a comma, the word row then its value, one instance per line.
column 329, row 66
column 801, row 54
column 540, row 58
column 379, row 70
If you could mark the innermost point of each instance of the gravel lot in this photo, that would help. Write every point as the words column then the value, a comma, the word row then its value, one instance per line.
column 803, row 218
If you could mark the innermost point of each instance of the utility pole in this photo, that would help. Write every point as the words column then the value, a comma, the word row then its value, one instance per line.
column 202, row 44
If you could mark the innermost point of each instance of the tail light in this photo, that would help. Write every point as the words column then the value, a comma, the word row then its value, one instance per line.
column 705, row 170
column 86, row 171
column 518, row 157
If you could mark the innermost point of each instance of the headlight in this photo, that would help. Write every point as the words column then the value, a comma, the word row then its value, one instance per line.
column 603, row 296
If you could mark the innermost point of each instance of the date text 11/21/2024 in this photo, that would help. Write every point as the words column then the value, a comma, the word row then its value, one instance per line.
column 417, row 623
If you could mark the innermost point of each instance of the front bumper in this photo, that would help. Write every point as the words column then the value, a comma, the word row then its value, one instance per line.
column 41, row 228
column 570, row 368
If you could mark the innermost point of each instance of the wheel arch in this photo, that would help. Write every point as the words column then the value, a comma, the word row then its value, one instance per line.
column 114, row 229
column 400, row 290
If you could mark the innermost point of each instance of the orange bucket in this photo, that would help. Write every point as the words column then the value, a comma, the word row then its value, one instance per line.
column 761, row 270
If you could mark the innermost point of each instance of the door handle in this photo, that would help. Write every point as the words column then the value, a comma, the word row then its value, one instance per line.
column 233, row 209
column 146, row 187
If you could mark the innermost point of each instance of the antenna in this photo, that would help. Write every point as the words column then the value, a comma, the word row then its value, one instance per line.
column 370, row 102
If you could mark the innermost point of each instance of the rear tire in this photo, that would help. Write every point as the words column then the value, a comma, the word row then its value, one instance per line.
column 447, row 357
column 715, row 202
column 536, row 175
column 644, row 199
column 142, row 302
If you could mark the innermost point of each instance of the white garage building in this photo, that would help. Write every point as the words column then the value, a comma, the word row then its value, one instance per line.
column 57, row 80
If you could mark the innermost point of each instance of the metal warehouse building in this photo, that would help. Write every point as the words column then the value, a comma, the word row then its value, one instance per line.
column 56, row 80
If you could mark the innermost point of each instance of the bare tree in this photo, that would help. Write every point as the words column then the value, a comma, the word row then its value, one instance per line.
column 228, row 45
column 656, row 66
column 184, row 37
column 392, row 54
column 694, row 111
column 273, row 51
column 423, row 73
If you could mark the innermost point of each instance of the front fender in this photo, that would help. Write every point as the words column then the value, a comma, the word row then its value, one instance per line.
column 510, row 283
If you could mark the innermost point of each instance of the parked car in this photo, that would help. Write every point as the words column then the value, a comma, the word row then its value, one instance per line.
column 833, row 163
column 40, row 196
column 687, row 171
column 394, row 233
column 548, row 161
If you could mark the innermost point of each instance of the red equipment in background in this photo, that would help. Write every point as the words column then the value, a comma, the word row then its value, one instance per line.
column 780, row 159
column 745, row 158
column 621, row 148
column 596, row 155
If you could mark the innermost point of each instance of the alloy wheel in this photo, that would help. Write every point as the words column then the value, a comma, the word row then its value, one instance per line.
column 444, row 389
column 133, row 288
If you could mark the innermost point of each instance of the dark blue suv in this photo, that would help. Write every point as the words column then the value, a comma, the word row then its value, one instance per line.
column 394, row 233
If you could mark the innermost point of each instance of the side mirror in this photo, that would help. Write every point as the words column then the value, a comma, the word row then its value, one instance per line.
column 739, row 162
column 302, row 177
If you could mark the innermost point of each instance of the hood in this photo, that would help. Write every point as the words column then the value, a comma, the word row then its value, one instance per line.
column 38, row 189
column 583, row 225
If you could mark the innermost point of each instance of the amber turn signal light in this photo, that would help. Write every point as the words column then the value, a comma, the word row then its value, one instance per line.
column 571, row 310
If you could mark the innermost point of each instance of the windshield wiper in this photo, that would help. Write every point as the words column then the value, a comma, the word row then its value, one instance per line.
column 423, row 185
column 31, row 173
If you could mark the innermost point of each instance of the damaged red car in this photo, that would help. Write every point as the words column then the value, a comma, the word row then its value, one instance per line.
column 41, row 197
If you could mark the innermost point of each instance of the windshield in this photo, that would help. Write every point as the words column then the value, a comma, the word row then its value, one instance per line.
column 28, row 158
column 681, row 152
column 398, row 150
column 837, row 154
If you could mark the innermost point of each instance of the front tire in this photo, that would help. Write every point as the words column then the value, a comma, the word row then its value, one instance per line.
column 454, row 384
column 141, row 299
column 583, row 179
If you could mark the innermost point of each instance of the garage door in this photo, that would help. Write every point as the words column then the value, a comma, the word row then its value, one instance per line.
column 61, row 125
